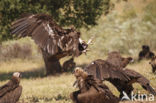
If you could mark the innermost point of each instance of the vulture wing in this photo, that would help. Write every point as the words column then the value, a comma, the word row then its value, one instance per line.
column 137, row 77
column 12, row 96
column 6, row 88
column 96, row 83
column 105, row 71
column 45, row 32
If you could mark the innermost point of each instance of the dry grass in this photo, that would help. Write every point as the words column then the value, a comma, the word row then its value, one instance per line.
column 56, row 89
column 111, row 34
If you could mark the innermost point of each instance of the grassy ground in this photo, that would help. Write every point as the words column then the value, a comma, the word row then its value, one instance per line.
column 121, row 30
column 56, row 89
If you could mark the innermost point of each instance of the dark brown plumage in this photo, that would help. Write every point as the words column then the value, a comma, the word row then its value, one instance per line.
column 121, row 78
column 145, row 53
column 116, row 59
column 11, row 92
column 69, row 65
column 54, row 41
column 153, row 64
column 48, row 35
column 91, row 90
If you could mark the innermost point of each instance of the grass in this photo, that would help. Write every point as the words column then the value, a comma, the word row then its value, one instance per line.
column 124, row 31
column 56, row 89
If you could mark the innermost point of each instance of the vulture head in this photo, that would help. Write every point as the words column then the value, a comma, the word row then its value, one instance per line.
column 145, row 48
column 80, row 75
column 16, row 77
column 79, row 72
column 76, row 46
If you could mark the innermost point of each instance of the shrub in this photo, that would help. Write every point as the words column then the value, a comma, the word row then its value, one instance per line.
column 22, row 49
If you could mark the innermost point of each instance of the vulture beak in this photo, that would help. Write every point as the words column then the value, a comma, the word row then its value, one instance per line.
column 85, row 45
column 132, row 61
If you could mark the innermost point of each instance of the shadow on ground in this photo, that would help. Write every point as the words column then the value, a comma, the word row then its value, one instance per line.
column 26, row 74
column 35, row 73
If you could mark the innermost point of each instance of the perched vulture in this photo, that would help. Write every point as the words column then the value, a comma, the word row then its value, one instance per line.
column 116, row 59
column 54, row 41
column 145, row 53
column 69, row 65
column 91, row 90
column 153, row 64
column 122, row 79
column 11, row 92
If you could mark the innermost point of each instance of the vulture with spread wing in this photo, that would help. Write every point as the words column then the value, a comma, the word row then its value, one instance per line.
column 54, row 41
column 11, row 92
column 91, row 90
column 121, row 78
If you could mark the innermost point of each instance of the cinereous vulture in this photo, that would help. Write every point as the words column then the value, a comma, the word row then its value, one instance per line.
column 11, row 91
column 54, row 41
column 121, row 78
column 91, row 90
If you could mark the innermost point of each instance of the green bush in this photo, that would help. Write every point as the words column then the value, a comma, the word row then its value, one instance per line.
column 80, row 13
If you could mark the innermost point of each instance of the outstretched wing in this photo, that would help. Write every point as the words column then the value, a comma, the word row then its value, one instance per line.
column 105, row 71
column 45, row 32
column 143, row 81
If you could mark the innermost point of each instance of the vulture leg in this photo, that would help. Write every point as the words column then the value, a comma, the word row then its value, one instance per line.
column 74, row 96
column 52, row 64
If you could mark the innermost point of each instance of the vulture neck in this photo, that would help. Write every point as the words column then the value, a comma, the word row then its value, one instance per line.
column 15, row 80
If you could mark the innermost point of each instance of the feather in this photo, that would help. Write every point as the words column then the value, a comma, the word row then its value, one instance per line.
column 47, row 34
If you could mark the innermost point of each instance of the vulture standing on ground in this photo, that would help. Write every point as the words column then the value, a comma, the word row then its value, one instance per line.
column 54, row 41
column 11, row 92
column 121, row 78
column 146, row 53
column 91, row 90
column 69, row 65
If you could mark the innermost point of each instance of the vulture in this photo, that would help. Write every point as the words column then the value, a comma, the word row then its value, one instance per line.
column 54, row 41
column 91, row 90
column 116, row 59
column 69, row 65
column 145, row 53
column 121, row 78
column 153, row 64
column 11, row 91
